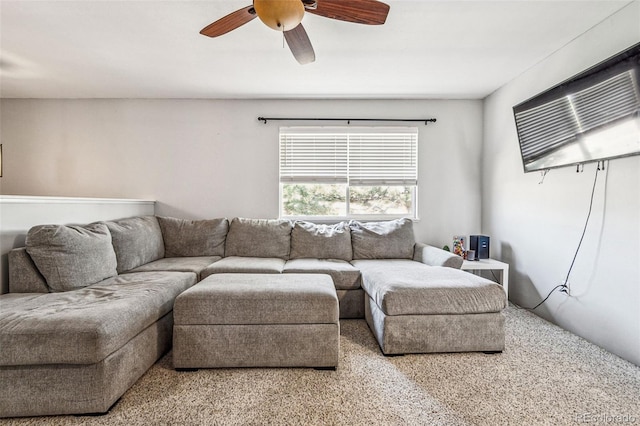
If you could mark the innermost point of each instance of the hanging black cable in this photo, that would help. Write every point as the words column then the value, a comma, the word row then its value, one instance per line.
column 564, row 287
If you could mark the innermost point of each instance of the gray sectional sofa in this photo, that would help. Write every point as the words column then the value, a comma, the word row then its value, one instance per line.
column 90, row 308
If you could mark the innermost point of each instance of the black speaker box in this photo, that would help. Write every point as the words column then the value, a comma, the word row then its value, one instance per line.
column 479, row 243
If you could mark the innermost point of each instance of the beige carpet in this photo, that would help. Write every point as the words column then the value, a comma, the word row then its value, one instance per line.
column 546, row 376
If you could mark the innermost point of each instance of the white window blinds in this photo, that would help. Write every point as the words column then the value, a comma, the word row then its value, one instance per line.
column 312, row 157
column 357, row 156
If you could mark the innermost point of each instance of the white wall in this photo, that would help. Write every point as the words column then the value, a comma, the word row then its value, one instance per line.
column 536, row 227
column 212, row 158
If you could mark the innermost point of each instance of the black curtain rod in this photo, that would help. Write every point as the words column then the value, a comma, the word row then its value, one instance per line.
column 348, row 120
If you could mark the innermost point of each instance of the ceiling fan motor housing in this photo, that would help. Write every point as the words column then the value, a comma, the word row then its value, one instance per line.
column 281, row 15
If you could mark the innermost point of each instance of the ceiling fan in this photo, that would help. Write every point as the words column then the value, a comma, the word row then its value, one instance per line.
column 286, row 16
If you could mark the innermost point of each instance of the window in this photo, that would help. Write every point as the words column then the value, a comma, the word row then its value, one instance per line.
column 348, row 172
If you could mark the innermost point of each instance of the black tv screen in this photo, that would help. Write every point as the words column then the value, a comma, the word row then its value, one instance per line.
column 592, row 116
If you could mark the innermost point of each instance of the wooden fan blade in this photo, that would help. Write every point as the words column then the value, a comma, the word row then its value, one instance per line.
column 300, row 45
column 229, row 22
column 370, row 12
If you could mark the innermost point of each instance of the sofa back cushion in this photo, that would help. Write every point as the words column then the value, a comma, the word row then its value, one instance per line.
column 136, row 241
column 391, row 239
column 191, row 238
column 71, row 257
column 24, row 276
column 318, row 241
column 258, row 238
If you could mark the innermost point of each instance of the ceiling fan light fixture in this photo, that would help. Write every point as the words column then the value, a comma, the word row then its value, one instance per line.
column 281, row 15
column 286, row 16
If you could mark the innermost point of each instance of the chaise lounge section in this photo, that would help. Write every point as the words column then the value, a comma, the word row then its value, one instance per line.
column 454, row 313
column 414, row 308
column 75, row 341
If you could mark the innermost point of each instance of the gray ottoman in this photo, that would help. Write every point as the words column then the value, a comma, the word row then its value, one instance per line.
column 257, row 320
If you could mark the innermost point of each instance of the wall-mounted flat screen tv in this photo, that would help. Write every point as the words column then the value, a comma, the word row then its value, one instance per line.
column 592, row 116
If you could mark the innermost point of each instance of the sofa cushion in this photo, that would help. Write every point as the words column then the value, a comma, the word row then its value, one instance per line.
column 71, row 257
column 183, row 237
column 24, row 276
column 194, row 264
column 248, row 265
column 86, row 325
column 258, row 238
column 345, row 276
column 319, row 241
column 237, row 299
column 405, row 287
column 136, row 241
column 391, row 239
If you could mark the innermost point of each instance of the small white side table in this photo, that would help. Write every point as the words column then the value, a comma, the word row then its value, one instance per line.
column 490, row 265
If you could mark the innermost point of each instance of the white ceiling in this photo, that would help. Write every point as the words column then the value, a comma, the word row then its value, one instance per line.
column 152, row 49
